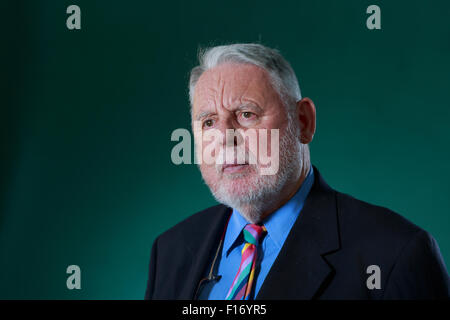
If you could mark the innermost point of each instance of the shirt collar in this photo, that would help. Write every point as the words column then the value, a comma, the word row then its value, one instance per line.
column 278, row 224
column 235, row 225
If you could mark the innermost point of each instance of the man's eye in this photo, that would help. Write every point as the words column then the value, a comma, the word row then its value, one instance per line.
column 247, row 115
column 208, row 123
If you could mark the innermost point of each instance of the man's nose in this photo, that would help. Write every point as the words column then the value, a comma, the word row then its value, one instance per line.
column 231, row 135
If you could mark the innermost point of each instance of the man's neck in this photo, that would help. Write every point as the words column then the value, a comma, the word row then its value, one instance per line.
column 287, row 192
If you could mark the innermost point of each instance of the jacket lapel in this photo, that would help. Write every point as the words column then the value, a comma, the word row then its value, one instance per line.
column 203, row 247
column 300, row 270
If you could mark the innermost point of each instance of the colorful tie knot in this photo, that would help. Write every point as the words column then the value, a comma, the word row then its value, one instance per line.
column 253, row 233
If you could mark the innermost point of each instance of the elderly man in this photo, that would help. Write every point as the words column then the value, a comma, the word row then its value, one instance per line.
column 286, row 235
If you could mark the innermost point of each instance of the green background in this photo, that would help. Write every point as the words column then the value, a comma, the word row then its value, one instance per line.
column 86, row 175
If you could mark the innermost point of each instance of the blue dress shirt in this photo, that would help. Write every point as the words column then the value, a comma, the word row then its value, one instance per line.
column 278, row 225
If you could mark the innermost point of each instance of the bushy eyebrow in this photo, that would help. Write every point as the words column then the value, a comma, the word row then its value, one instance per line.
column 203, row 114
column 241, row 107
column 251, row 106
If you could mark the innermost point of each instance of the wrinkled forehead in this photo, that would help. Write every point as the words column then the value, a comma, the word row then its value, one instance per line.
column 231, row 82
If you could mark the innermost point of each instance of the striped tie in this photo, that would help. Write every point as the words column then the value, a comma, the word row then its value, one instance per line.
column 242, row 283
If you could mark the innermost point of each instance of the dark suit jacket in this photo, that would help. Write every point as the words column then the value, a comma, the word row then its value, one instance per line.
column 325, row 256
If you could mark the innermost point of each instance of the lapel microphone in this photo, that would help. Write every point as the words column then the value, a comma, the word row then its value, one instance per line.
column 214, row 277
column 211, row 276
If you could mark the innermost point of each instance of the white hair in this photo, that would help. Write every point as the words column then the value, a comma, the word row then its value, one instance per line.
column 281, row 73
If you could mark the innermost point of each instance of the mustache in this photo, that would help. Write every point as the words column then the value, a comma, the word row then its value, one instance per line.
column 231, row 156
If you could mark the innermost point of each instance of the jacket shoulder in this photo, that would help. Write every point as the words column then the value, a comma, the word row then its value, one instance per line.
column 408, row 257
column 373, row 231
column 368, row 219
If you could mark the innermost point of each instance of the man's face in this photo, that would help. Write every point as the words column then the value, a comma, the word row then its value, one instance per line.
column 240, row 96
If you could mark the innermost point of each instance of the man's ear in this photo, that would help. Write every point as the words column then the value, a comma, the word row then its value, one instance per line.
column 306, row 111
